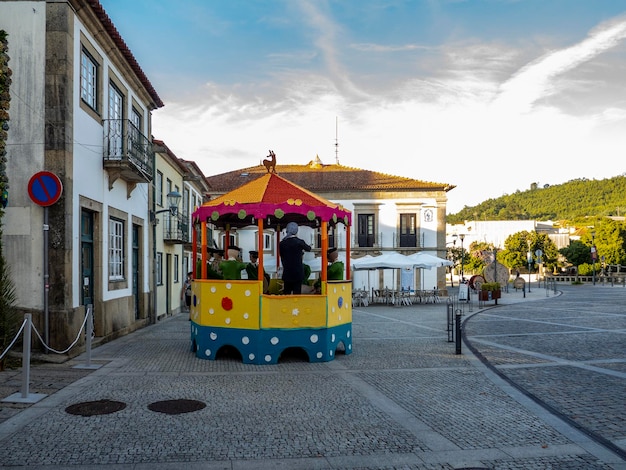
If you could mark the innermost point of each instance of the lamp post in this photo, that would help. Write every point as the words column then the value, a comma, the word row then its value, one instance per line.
column 529, row 258
column 454, row 237
column 462, row 237
column 594, row 255
column 173, row 199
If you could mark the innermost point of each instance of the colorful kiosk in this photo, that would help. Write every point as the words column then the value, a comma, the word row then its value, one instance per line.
column 236, row 313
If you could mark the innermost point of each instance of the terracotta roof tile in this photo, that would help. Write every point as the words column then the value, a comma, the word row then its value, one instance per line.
column 317, row 177
column 124, row 49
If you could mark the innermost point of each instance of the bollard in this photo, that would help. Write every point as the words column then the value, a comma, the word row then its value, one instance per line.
column 450, row 321
column 88, row 335
column 24, row 396
column 26, row 355
column 458, row 332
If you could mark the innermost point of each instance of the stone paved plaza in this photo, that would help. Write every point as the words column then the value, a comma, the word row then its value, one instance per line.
column 540, row 384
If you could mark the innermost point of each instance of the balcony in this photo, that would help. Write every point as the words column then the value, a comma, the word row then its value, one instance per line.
column 175, row 228
column 127, row 153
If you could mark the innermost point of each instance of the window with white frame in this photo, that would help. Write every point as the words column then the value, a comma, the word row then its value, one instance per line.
column 158, row 187
column 116, row 250
column 176, row 268
column 159, row 269
column 267, row 242
column 89, row 80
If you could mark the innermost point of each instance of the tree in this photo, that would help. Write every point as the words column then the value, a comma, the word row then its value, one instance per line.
column 478, row 255
column 517, row 246
column 576, row 253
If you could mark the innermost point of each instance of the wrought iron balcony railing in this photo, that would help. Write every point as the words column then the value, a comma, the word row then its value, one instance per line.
column 175, row 228
column 128, row 153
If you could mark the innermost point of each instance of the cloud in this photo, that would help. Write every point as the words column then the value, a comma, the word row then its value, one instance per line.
column 370, row 47
column 535, row 81
column 469, row 120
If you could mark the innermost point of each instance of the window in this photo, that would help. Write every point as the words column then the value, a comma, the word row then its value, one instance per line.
column 88, row 80
column 116, row 250
column 158, row 187
column 186, row 202
column 408, row 233
column 267, row 242
column 366, row 233
column 330, row 237
column 116, row 115
column 159, row 269
column 176, row 268
column 134, row 132
column 135, row 119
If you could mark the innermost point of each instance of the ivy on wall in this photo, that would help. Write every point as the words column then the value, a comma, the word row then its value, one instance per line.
column 5, row 99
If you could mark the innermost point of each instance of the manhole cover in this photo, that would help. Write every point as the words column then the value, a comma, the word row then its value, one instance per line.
column 94, row 408
column 176, row 407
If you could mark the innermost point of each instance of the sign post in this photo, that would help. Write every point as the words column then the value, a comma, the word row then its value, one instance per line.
column 45, row 189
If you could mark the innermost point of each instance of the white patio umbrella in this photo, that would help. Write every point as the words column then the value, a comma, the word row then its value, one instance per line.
column 429, row 261
column 389, row 260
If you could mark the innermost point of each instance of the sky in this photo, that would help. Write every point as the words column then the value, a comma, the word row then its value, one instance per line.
column 487, row 95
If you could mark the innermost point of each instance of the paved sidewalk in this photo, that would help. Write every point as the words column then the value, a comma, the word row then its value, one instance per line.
column 402, row 400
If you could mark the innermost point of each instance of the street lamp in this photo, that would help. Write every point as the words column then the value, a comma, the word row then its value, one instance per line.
column 454, row 237
column 462, row 237
column 173, row 199
column 529, row 258
column 594, row 255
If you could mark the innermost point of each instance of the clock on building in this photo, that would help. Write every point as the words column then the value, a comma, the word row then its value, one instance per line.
column 428, row 215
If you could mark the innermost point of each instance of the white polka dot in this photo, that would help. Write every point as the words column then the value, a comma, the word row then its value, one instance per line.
column 211, row 311
column 350, row 347
column 332, row 337
column 213, row 289
column 227, row 321
column 245, row 340
column 348, row 334
column 339, row 317
column 295, row 312
column 246, row 316
column 330, row 353
column 274, row 340
column 334, row 290
column 247, row 293
column 268, row 358
column 229, row 285
column 207, row 352
column 251, row 356
column 314, row 339
column 319, row 355
column 213, row 336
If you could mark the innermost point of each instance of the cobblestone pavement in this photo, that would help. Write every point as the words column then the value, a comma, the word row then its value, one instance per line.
column 402, row 400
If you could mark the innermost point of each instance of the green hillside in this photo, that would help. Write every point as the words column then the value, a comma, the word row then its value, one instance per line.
column 572, row 200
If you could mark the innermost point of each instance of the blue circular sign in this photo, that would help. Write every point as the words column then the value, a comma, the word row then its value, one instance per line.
column 45, row 188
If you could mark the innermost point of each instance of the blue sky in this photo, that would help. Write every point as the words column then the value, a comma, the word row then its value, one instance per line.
column 487, row 95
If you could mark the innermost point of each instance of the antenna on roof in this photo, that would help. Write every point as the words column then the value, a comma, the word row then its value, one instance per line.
column 336, row 141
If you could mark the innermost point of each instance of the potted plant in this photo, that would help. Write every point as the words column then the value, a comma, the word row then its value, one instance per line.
column 490, row 291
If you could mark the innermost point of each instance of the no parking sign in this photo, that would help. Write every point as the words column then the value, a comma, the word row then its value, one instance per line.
column 45, row 188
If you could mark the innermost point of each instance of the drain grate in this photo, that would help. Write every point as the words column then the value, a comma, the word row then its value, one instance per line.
column 95, row 408
column 176, row 407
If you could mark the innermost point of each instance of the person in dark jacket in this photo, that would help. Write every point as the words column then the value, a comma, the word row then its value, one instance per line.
column 292, row 251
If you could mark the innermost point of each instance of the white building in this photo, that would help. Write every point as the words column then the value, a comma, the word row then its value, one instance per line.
column 389, row 213
column 81, row 109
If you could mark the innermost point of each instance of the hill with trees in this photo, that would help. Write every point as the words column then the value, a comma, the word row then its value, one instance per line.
column 572, row 200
